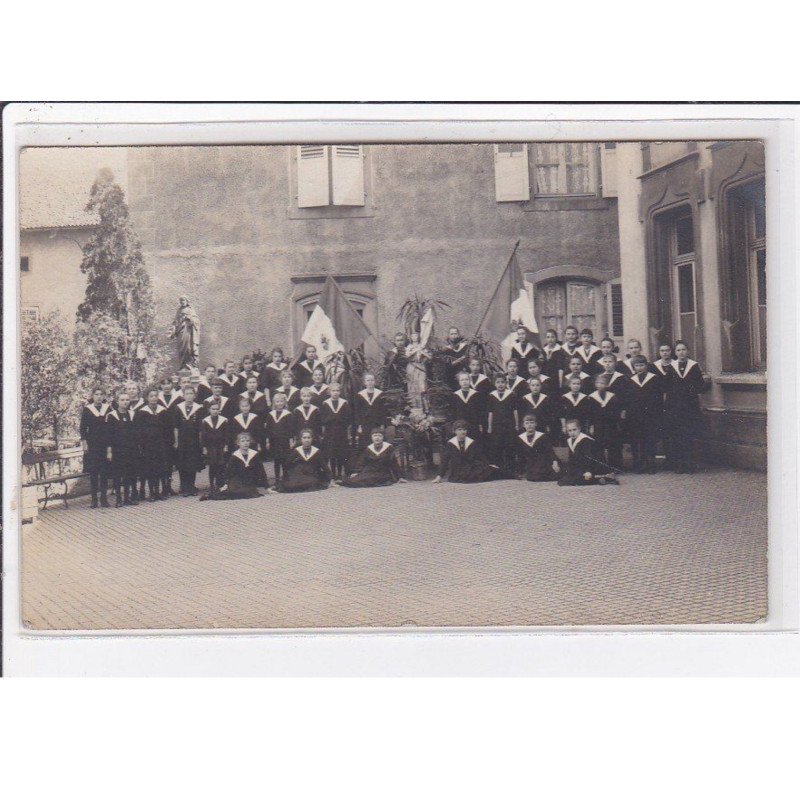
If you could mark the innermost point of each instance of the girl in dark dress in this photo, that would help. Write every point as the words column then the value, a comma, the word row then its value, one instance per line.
column 215, row 440
column 469, row 405
column 523, row 351
column 271, row 374
column 337, row 418
column 455, row 353
column 645, row 414
column 543, row 407
column 280, row 425
column 123, row 445
column 94, row 440
column 553, row 356
column 306, row 470
column 463, row 460
column 188, row 453
column 244, row 474
column 152, row 423
column 378, row 465
column 535, row 456
column 683, row 417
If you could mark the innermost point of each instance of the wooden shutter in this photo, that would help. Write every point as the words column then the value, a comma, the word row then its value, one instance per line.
column 312, row 176
column 511, row 181
column 616, row 309
column 348, row 174
column 608, row 170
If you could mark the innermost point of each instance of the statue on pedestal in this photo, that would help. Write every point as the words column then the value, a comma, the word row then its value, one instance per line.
column 186, row 330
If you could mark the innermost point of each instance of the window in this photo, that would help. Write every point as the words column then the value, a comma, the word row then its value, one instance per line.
column 565, row 168
column 562, row 303
column 330, row 175
column 29, row 315
column 616, row 310
column 24, row 264
column 747, row 278
column 681, row 248
column 511, row 177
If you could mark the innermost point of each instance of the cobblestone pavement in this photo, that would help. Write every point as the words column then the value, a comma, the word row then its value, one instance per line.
column 660, row 549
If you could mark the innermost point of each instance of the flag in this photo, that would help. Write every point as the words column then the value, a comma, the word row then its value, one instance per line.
column 426, row 325
column 334, row 325
column 511, row 306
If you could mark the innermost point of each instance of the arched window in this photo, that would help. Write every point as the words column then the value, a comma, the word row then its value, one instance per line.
column 570, row 302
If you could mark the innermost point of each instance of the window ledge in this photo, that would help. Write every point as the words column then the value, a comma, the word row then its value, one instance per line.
column 567, row 202
column 742, row 379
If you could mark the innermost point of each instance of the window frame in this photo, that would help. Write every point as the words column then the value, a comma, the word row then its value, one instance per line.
column 593, row 167
column 27, row 260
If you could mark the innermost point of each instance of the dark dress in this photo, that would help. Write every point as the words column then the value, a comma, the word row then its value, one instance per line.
column 535, row 457
column 292, row 396
column 522, row 354
column 214, row 438
column 123, row 438
column 188, row 455
column 94, row 432
column 155, row 435
column 244, row 476
column 368, row 413
column 683, row 418
column 575, row 407
column 252, row 425
column 271, row 376
column 553, row 362
column 203, row 391
column 546, row 410
column 308, row 419
column 467, row 465
column 305, row 472
column 504, row 428
column 376, row 469
column 230, row 386
column 604, row 417
column 580, row 460
column 170, row 399
column 304, row 372
column 319, row 394
column 519, row 386
column 259, row 402
column 227, row 407
column 455, row 358
column 472, row 409
column 280, row 430
column 336, row 423
column 591, row 360
column 645, row 416
column 587, row 384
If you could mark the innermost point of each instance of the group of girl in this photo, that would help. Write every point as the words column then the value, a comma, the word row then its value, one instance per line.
column 574, row 394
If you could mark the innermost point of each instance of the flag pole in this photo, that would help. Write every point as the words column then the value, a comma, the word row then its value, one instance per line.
column 496, row 288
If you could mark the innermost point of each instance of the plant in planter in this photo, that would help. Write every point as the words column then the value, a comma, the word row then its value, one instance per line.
column 415, row 435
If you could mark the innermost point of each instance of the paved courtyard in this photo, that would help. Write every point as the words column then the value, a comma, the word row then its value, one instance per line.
column 663, row 549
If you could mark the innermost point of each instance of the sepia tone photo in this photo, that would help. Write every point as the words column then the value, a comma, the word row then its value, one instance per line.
column 541, row 364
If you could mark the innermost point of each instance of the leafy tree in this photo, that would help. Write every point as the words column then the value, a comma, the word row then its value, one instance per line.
column 48, row 380
column 119, row 294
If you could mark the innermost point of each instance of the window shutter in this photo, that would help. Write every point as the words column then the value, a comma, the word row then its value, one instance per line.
column 511, row 181
column 608, row 170
column 312, row 176
column 616, row 309
column 348, row 174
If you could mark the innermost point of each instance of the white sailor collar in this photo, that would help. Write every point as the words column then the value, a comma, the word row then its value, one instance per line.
column 303, row 455
column 284, row 413
column 102, row 412
column 251, row 374
column 329, row 403
column 246, row 422
column 478, row 378
column 182, row 408
column 277, row 367
column 311, row 410
column 517, row 380
column 536, row 436
column 210, row 421
column 176, row 395
column 660, row 367
column 322, row 388
column 574, row 401
column 592, row 350
column 507, row 393
column 159, row 410
column 230, row 382
column 647, row 376
column 541, row 376
column 384, row 446
column 582, row 375
column 115, row 413
column 573, row 443
column 535, row 403
column 459, row 393
column 310, row 365
column 457, row 347
column 246, row 459
column 257, row 395
column 375, row 394
column 467, row 441
column 522, row 347
column 222, row 400
column 614, row 375
column 201, row 380
column 566, row 348
column 292, row 390
column 689, row 365
column 603, row 402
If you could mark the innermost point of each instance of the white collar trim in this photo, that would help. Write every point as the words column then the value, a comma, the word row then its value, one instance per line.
column 573, row 443
column 603, row 402
column 384, row 445
column 467, row 442
column 376, row 393
column 246, row 459
column 460, row 394
column 536, row 436
column 303, row 455
column 573, row 400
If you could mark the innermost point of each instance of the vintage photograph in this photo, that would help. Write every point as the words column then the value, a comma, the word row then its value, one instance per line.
column 417, row 385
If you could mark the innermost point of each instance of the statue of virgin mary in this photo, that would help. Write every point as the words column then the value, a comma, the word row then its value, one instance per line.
column 186, row 330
